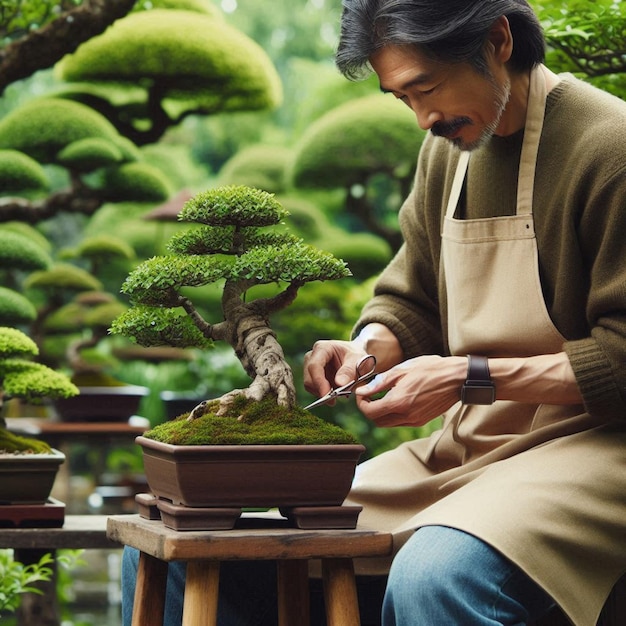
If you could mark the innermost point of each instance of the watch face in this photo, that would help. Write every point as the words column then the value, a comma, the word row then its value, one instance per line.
column 478, row 394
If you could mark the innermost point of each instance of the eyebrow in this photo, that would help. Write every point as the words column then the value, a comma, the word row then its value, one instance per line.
column 420, row 79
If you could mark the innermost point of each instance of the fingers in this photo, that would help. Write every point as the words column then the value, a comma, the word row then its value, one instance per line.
column 329, row 363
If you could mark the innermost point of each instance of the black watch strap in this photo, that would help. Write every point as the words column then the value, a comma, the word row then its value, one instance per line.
column 478, row 387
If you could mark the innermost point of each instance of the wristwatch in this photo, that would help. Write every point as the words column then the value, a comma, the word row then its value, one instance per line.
column 478, row 387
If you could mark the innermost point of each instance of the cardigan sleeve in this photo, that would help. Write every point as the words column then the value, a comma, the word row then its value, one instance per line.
column 406, row 294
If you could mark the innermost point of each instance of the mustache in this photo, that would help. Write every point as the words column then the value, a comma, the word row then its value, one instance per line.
column 445, row 129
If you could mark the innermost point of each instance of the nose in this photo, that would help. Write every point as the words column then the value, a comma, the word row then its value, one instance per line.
column 426, row 120
column 426, row 116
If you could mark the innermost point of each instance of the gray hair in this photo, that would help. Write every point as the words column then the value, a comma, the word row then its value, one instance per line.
column 452, row 31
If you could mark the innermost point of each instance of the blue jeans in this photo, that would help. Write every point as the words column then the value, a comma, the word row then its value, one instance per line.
column 441, row 577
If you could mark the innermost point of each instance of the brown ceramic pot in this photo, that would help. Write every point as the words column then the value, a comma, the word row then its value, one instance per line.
column 289, row 477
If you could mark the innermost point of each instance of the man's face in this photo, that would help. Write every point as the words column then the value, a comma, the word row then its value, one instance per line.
column 451, row 100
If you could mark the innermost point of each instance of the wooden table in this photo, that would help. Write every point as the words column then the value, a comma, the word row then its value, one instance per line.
column 30, row 544
column 204, row 550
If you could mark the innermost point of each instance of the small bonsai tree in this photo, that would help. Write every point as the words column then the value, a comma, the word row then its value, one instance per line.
column 20, row 377
column 232, row 245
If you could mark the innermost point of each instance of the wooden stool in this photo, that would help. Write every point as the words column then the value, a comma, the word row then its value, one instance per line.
column 203, row 550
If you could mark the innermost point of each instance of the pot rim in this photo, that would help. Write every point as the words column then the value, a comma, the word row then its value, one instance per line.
column 146, row 442
column 118, row 390
column 53, row 454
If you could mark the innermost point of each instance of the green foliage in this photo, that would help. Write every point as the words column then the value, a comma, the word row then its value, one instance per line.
column 186, row 54
column 22, row 378
column 199, row 6
column 15, row 309
column 157, row 327
column 587, row 35
column 287, row 263
column 34, row 381
column 19, row 173
column 352, row 142
column 235, row 205
column 14, row 343
column 219, row 240
column 260, row 423
column 91, row 153
column 229, row 247
column 30, row 232
column 260, row 166
column 176, row 162
column 365, row 253
column 139, row 182
column 157, row 280
column 42, row 127
column 63, row 276
column 17, row 579
column 307, row 219
column 19, row 252
column 104, row 247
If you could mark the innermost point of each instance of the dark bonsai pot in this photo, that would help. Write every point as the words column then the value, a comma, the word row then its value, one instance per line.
column 202, row 487
column 101, row 404
column 28, row 478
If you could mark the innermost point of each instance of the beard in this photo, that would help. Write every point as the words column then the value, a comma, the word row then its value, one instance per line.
column 501, row 95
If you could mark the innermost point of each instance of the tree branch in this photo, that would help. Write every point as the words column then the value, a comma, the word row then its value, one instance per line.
column 43, row 47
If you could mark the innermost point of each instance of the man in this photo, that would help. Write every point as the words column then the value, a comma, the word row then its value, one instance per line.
column 514, row 254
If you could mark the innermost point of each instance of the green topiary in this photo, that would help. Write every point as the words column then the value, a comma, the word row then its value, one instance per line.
column 19, row 252
column 138, row 182
column 22, row 378
column 238, row 250
column 42, row 127
column 15, row 309
column 19, row 173
column 91, row 153
column 184, row 55
column 63, row 276
column 258, row 166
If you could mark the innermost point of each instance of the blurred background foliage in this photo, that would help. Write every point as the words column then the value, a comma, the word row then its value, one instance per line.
column 106, row 129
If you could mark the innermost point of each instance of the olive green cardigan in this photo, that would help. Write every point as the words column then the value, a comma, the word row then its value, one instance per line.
column 579, row 209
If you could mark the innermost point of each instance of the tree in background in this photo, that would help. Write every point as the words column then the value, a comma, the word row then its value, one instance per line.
column 368, row 148
column 152, row 69
column 36, row 34
column 587, row 37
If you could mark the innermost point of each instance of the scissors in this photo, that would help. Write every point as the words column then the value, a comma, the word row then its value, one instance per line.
column 365, row 371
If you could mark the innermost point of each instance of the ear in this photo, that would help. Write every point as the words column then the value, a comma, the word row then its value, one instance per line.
column 500, row 39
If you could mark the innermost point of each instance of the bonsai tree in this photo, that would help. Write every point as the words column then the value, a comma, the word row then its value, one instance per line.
column 348, row 148
column 231, row 244
column 21, row 377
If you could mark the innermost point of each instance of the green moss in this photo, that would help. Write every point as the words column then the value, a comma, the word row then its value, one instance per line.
column 262, row 423
column 14, row 443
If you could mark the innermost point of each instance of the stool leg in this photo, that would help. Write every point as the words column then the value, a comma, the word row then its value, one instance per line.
column 149, row 602
column 293, row 592
column 342, row 604
column 201, row 593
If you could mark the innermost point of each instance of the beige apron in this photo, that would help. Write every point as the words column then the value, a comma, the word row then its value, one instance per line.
column 544, row 484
